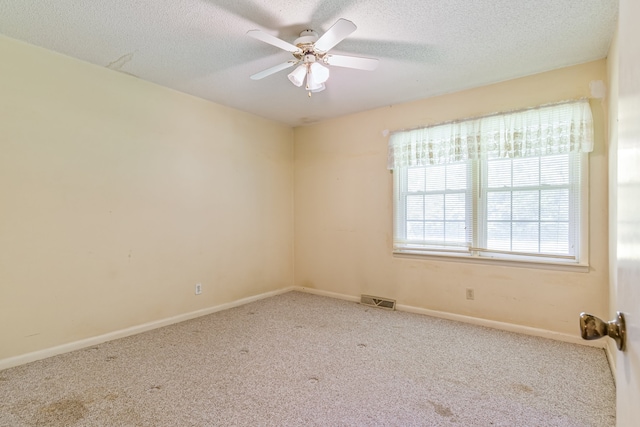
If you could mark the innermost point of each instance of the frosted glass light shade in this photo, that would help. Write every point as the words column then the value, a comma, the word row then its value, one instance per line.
column 320, row 72
column 313, row 85
column 297, row 75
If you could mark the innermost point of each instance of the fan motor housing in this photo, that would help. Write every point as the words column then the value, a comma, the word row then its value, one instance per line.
column 307, row 37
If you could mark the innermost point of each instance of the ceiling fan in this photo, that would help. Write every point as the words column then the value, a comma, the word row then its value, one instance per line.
column 311, row 52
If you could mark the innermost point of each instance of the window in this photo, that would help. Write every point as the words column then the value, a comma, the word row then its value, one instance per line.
column 506, row 186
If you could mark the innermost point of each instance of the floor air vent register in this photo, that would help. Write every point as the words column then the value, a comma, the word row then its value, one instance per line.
column 386, row 303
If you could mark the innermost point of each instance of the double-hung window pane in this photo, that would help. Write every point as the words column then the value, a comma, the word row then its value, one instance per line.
column 435, row 210
column 530, row 205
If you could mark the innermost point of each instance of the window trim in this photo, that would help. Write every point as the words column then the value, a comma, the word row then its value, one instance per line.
column 449, row 257
column 473, row 255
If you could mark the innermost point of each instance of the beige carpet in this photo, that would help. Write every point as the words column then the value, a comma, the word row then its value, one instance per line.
column 304, row 360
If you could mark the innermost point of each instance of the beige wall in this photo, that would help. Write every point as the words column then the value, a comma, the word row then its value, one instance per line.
column 343, row 209
column 117, row 196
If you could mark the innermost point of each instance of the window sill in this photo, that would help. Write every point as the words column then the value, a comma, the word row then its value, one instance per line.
column 542, row 265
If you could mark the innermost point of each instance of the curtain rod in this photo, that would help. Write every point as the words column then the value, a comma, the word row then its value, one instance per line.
column 484, row 116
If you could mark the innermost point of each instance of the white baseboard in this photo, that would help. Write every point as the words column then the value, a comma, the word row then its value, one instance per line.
column 510, row 327
column 327, row 294
column 88, row 342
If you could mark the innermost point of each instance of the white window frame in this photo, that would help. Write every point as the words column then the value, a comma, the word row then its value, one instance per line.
column 478, row 220
column 401, row 226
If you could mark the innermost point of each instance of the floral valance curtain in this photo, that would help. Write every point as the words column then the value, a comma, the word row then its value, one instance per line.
column 554, row 129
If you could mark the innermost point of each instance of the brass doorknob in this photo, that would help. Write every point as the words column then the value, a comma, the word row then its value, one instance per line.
column 593, row 328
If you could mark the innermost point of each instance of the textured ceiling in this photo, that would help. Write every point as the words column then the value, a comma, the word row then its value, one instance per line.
column 425, row 47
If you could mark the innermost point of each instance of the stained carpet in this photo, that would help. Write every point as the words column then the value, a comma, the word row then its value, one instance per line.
column 303, row 360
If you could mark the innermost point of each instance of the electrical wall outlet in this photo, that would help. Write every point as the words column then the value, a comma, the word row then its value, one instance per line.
column 198, row 288
column 470, row 294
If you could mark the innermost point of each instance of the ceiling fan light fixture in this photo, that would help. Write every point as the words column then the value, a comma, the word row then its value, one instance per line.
column 320, row 72
column 313, row 85
column 297, row 75
column 316, row 77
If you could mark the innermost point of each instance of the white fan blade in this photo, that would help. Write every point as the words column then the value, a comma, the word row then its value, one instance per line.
column 334, row 35
column 359, row 63
column 272, row 40
column 273, row 70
